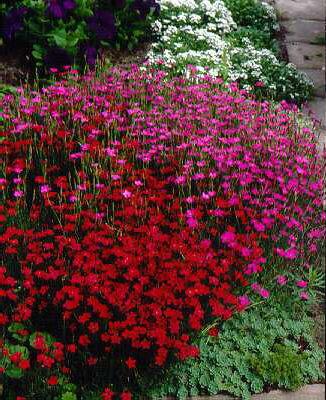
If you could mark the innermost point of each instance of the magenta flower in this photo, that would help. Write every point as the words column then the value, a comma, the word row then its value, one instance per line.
column 228, row 237
column 244, row 301
column 302, row 284
column 45, row 188
column 304, row 296
column 192, row 223
column 126, row 194
column 264, row 293
column 18, row 193
column 290, row 253
column 256, row 287
column 281, row 280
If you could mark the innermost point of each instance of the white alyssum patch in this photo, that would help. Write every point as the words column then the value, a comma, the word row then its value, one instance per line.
column 195, row 32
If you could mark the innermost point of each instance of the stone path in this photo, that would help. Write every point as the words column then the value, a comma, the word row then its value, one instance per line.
column 304, row 24
column 309, row 392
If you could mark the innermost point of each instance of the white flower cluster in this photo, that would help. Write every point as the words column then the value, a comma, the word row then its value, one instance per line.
column 195, row 32
column 190, row 32
column 270, row 11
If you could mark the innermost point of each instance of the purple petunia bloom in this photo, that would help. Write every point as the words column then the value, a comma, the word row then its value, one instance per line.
column 57, row 58
column 13, row 22
column 102, row 23
column 90, row 53
column 119, row 3
column 60, row 8
column 144, row 7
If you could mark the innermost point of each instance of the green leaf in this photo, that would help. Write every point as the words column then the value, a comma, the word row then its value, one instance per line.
column 14, row 372
column 60, row 37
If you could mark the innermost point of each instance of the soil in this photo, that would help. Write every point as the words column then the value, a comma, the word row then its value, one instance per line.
column 15, row 67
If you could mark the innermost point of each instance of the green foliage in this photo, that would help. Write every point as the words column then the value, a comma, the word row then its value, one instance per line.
column 263, row 347
column 252, row 13
column 260, row 39
column 42, row 32
column 282, row 366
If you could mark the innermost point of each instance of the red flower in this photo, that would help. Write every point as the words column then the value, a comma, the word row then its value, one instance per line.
column 53, row 380
column 213, row 331
column 131, row 363
column 24, row 364
column 125, row 396
column 107, row 394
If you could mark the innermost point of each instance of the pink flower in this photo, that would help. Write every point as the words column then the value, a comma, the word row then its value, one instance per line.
column 304, row 296
column 180, row 180
column 138, row 183
column 244, row 301
column 192, row 222
column 290, row 253
column 302, row 284
column 18, row 193
column 256, row 287
column 228, row 237
column 205, row 196
column 85, row 146
column 75, row 156
column 264, row 293
column 110, row 152
column 126, row 194
column 258, row 226
column 45, row 188
column 281, row 280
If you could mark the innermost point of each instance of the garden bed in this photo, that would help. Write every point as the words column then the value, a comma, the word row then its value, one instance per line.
column 161, row 229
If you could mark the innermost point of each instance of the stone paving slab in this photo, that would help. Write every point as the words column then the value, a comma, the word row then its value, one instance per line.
column 309, row 392
column 318, row 107
column 318, row 78
column 305, row 55
column 301, row 9
column 302, row 30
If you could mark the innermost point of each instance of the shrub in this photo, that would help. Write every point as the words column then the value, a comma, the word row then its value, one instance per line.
column 136, row 210
column 253, row 13
column 258, row 38
column 65, row 32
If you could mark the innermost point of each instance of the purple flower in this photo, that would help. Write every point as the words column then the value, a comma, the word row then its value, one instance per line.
column 57, row 57
column 60, row 8
column 90, row 54
column 102, row 23
column 13, row 22
column 144, row 7
column 119, row 3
